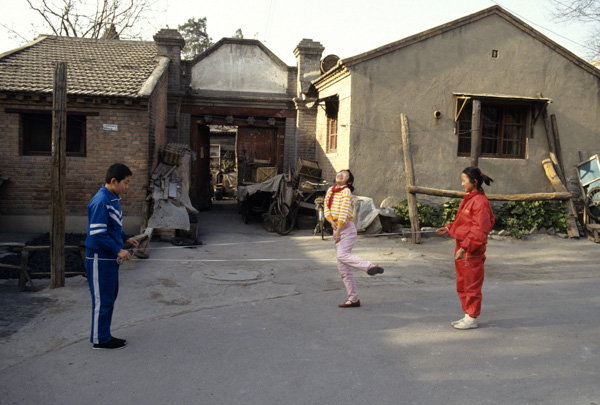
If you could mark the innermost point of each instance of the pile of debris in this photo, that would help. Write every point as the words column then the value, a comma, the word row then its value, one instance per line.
column 169, row 190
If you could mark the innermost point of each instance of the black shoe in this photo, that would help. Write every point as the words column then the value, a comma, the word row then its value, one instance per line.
column 111, row 344
column 375, row 270
column 119, row 340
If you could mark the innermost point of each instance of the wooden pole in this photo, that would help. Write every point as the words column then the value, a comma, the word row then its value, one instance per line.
column 561, row 196
column 552, row 145
column 558, row 185
column 475, row 134
column 58, row 176
column 558, row 149
column 413, row 211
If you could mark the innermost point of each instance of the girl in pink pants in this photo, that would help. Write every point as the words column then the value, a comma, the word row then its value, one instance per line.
column 339, row 208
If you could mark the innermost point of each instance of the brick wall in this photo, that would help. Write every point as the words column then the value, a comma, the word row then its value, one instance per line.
column 305, row 131
column 28, row 190
column 290, row 157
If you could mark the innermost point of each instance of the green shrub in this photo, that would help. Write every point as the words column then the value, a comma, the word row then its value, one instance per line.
column 517, row 217
column 428, row 215
column 520, row 217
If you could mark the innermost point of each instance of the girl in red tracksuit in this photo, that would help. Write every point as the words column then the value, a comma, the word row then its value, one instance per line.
column 474, row 221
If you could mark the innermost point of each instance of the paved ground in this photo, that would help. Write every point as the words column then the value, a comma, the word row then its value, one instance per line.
column 252, row 317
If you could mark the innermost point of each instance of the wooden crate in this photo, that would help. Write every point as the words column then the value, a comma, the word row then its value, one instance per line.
column 307, row 167
column 260, row 174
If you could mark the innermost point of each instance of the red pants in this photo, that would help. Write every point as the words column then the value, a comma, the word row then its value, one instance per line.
column 469, row 280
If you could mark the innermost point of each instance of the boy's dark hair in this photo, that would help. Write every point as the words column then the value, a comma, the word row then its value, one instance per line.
column 117, row 171
column 477, row 178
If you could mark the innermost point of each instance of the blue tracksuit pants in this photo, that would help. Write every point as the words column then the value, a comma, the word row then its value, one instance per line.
column 103, row 278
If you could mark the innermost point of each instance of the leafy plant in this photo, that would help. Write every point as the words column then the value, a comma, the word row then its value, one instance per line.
column 428, row 216
column 517, row 217
column 520, row 217
column 449, row 211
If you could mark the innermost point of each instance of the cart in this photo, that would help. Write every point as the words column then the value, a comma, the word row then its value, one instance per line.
column 588, row 174
column 254, row 199
column 281, row 199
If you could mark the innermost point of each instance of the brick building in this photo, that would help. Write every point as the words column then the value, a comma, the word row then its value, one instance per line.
column 128, row 99
column 116, row 110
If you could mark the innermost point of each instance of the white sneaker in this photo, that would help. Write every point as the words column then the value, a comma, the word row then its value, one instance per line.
column 460, row 320
column 467, row 323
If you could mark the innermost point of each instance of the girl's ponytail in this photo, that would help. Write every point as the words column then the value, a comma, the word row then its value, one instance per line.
column 477, row 178
column 486, row 179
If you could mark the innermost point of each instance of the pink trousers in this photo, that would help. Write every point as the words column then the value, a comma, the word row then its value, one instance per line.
column 346, row 260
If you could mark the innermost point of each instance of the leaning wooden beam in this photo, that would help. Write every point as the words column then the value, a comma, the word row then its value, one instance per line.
column 557, row 147
column 552, row 146
column 561, row 196
column 413, row 211
column 558, row 185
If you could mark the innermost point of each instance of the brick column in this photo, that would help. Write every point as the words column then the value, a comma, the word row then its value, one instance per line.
column 308, row 57
column 169, row 43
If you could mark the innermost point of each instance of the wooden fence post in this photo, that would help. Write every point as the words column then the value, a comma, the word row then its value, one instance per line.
column 58, row 176
column 413, row 211
column 475, row 134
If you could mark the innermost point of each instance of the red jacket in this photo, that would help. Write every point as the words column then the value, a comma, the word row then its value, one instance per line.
column 474, row 221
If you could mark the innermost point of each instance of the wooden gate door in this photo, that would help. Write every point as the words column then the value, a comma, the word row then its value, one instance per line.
column 201, row 145
column 254, row 145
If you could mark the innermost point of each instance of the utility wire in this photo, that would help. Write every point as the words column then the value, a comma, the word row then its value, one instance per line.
column 544, row 28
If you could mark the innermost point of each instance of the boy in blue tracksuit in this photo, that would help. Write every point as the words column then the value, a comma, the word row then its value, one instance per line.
column 104, row 245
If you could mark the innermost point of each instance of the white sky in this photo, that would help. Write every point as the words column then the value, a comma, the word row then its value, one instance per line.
column 344, row 27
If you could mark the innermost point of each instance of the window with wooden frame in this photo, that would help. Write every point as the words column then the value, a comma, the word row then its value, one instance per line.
column 36, row 133
column 331, row 111
column 502, row 130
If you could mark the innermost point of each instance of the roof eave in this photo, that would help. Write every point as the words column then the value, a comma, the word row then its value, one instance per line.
column 153, row 79
column 494, row 10
column 27, row 45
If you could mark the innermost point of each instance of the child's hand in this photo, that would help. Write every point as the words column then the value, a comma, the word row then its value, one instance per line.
column 124, row 255
column 459, row 254
column 441, row 231
column 132, row 242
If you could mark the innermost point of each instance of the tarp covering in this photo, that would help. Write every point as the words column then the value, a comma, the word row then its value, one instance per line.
column 271, row 185
column 366, row 215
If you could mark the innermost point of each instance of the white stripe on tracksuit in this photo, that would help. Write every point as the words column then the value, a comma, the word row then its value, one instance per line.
column 97, row 299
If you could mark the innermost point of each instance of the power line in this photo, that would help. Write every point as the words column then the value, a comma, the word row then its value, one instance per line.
column 544, row 28
column 15, row 32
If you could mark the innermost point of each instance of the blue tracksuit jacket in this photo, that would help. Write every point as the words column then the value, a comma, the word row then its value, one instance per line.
column 105, row 224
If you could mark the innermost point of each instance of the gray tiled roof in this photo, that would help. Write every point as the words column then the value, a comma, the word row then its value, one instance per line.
column 95, row 67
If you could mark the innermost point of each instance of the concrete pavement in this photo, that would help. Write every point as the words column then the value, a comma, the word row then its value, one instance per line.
column 252, row 318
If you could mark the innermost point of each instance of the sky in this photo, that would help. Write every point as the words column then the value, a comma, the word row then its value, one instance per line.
column 344, row 27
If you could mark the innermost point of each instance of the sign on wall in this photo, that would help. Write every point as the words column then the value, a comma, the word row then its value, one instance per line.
column 110, row 127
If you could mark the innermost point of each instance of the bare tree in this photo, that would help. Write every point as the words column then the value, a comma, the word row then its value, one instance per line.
column 586, row 11
column 196, row 37
column 81, row 18
column 577, row 10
